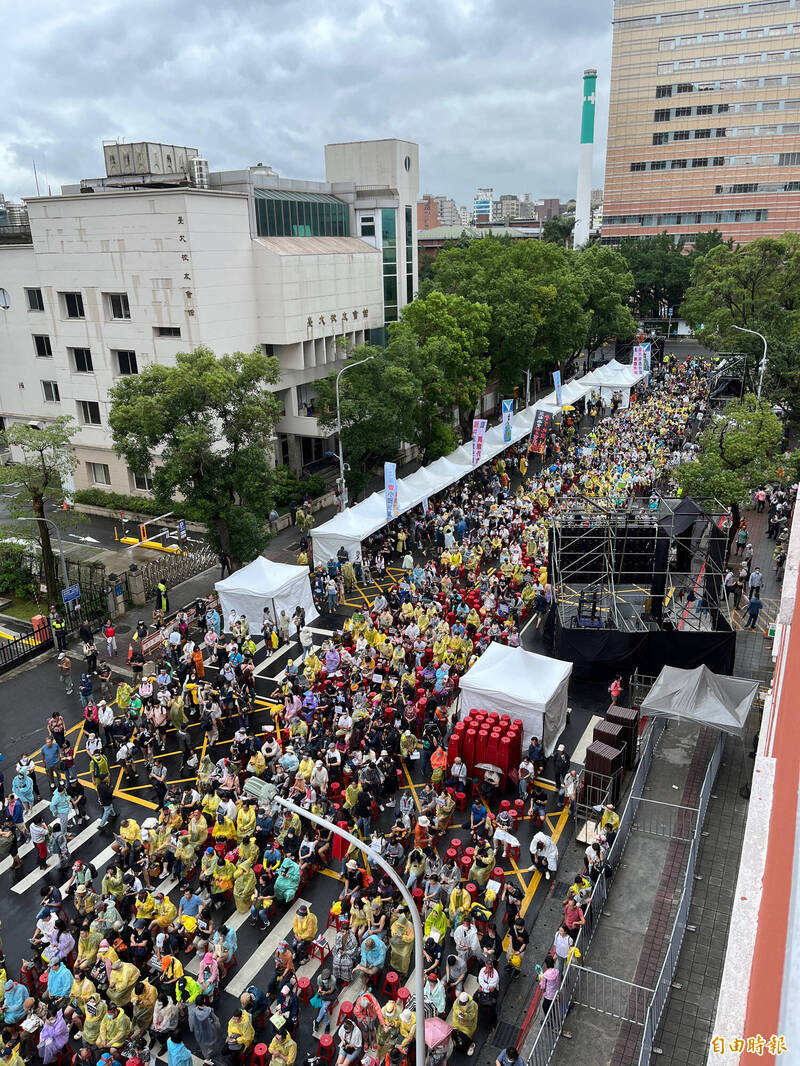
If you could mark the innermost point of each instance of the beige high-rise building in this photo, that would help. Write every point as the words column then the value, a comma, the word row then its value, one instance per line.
column 704, row 120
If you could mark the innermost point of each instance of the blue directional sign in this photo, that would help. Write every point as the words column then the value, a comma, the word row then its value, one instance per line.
column 72, row 593
column 182, row 529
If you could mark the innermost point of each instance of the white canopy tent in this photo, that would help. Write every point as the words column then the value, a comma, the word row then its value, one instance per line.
column 264, row 583
column 610, row 378
column 703, row 697
column 348, row 528
column 523, row 685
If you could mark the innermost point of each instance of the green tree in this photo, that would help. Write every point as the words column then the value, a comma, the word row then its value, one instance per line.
column 449, row 360
column 607, row 284
column 661, row 269
column 45, row 466
column 738, row 450
column 756, row 286
column 558, row 229
column 378, row 400
column 210, row 420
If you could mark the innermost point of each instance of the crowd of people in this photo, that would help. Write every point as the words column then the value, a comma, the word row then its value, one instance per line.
column 353, row 724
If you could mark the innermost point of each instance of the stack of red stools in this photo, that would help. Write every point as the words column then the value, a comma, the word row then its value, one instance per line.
column 486, row 737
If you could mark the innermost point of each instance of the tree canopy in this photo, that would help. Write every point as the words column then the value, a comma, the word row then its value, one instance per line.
column 661, row 269
column 46, row 463
column 755, row 286
column 209, row 422
column 558, row 229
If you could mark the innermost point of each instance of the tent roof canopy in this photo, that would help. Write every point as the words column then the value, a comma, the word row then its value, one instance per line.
column 262, row 574
column 702, row 696
column 521, row 675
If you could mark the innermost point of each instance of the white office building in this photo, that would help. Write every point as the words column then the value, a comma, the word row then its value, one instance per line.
column 159, row 256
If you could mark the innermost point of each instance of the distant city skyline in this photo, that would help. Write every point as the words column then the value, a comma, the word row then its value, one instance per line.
column 487, row 106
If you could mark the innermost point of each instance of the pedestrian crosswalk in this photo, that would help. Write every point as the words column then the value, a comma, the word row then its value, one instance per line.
column 27, row 882
column 27, row 848
column 248, row 971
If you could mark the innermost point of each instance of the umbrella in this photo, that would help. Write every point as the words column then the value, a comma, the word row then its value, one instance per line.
column 488, row 766
column 567, row 407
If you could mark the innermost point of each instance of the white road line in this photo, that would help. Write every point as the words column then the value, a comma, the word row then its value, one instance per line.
column 349, row 994
column 36, row 875
column 235, row 920
column 325, row 632
column 579, row 754
column 27, row 848
column 247, row 973
column 37, row 808
column 99, row 862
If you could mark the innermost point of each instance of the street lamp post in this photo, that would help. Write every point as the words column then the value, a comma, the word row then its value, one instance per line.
column 763, row 365
column 347, row 366
column 263, row 791
column 50, row 522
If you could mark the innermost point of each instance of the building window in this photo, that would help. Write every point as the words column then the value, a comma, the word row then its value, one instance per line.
column 117, row 305
column 143, row 482
column 660, row 138
column 638, row 166
column 81, row 360
column 701, row 135
column 35, row 300
column 658, row 164
column 89, row 411
column 661, row 114
column 409, row 254
column 51, row 393
column 718, row 161
column 663, row 91
column 677, row 164
column 167, row 331
column 389, row 244
column 682, row 112
column 702, row 162
column 685, row 87
column 300, row 214
column 680, row 135
column 99, row 474
column 367, row 225
column 126, row 363
column 789, row 159
column 705, row 109
column 41, row 343
column 73, row 304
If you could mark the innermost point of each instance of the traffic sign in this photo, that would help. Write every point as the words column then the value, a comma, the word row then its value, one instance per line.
column 182, row 529
column 72, row 593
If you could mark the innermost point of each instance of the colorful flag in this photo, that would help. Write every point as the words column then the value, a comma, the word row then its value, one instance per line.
column 478, row 433
column 390, row 481
column 508, row 419
column 557, row 383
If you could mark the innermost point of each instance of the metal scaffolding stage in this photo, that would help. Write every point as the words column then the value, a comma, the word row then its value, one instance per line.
column 633, row 569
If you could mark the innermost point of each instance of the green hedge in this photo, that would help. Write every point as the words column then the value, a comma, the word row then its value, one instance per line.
column 15, row 578
column 287, row 488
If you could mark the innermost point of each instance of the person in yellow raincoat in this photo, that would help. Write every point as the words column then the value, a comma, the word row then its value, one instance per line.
column 197, row 830
column 464, row 1020
column 351, row 794
column 114, row 1028
column 95, row 1011
column 282, row 1049
column 164, row 914
column 124, row 976
column 211, row 802
column 112, row 883
column 222, row 881
column 401, row 944
column 224, row 828
column 81, row 992
column 257, row 764
column 249, row 852
column 304, row 927
column 240, row 1032
column 88, row 943
column 123, row 697
column 459, row 906
column 437, row 923
column 246, row 821
column 244, row 886
column 143, row 1003
column 408, row 1028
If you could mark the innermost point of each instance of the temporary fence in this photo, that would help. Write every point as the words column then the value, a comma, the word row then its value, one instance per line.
column 622, row 999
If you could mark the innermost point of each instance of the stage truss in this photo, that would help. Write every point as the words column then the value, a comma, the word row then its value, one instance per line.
column 623, row 567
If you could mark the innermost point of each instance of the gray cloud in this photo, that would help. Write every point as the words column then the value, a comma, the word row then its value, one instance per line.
column 491, row 91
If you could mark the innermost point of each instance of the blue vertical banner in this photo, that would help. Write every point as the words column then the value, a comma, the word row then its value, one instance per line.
column 478, row 433
column 390, row 482
column 557, row 383
column 508, row 419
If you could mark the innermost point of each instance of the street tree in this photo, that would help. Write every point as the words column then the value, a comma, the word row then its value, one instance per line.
column 738, row 451
column 607, row 284
column 661, row 269
column 207, row 424
column 378, row 401
column 449, row 360
column 558, row 229
column 40, row 477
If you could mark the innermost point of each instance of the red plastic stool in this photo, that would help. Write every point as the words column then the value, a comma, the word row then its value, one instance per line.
column 418, row 895
column 499, row 874
column 458, row 844
column 519, row 808
column 505, row 805
column 304, row 989
column 325, row 1048
column 260, row 1055
column 319, row 949
column 335, row 920
column 403, row 996
column 461, row 801
column 345, row 1011
column 474, row 891
column 334, row 789
column 451, row 855
column 390, row 983
column 469, row 853
column 466, row 865
column 512, row 852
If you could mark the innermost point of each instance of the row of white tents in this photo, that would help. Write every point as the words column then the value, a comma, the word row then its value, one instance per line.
column 349, row 528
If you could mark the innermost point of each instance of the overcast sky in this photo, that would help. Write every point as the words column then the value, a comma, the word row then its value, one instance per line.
column 490, row 90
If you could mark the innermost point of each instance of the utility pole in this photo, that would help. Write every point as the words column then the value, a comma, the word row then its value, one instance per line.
column 763, row 366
